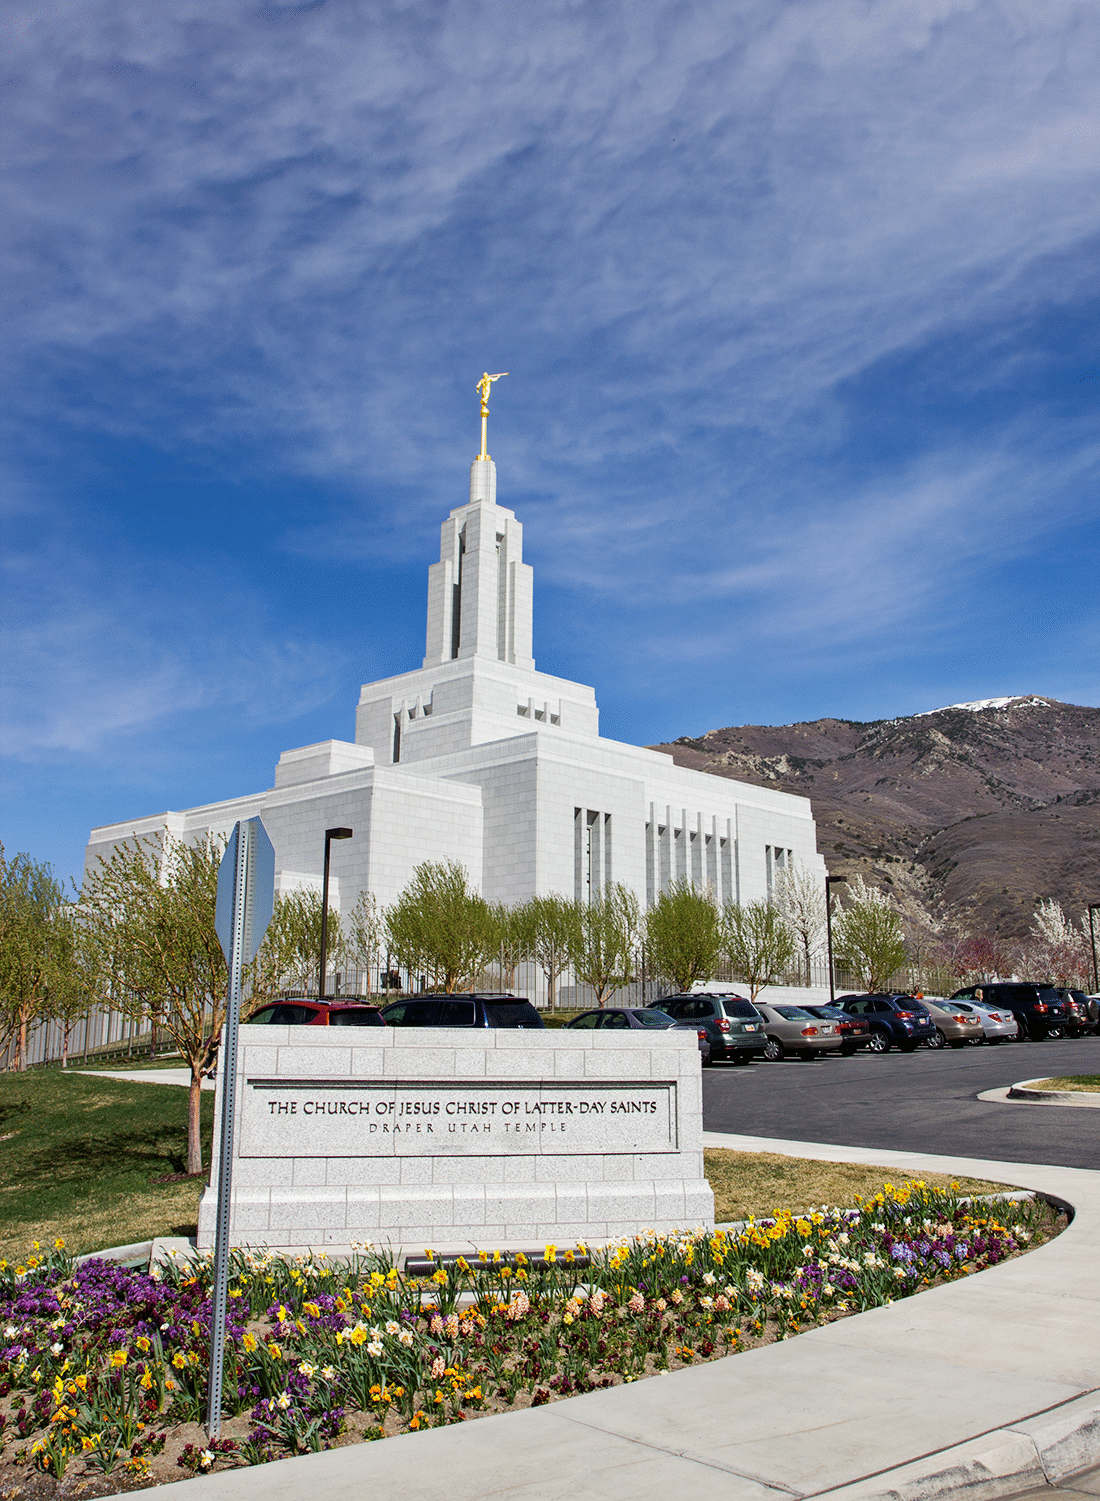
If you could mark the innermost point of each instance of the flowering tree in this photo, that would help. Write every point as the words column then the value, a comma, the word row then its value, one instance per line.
column 1056, row 950
column 801, row 901
column 35, row 948
column 365, row 926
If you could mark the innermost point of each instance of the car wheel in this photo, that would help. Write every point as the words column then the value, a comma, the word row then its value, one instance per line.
column 774, row 1050
column 937, row 1040
column 1021, row 1030
column 879, row 1043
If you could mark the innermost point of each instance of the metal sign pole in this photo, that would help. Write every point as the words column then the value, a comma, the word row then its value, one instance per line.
column 242, row 838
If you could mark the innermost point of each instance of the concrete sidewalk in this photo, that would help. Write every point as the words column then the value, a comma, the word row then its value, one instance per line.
column 181, row 1076
column 983, row 1388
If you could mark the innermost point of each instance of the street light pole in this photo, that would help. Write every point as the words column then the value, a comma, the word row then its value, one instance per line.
column 1094, row 907
column 330, row 835
column 831, row 881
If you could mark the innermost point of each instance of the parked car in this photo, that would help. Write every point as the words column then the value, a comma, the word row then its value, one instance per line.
column 791, row 1029
column 734, row 1026
column 1037, row 1008
column 895, row 1020
column 489, row 1009
column 643, row 1018
column 1081, row 1017
column 855, row 1031
column 997, row 1026
column 956, row 1024
column 316, row 1014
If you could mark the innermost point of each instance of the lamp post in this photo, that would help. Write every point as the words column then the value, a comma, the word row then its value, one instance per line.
column 831, row 881
column 330, row 835
column 1094, row 907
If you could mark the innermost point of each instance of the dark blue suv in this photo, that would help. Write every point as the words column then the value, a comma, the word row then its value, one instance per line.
column 895, row 1020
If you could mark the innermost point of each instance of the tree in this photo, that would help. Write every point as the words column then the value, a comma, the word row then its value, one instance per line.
column 35, row 945
column 684, row 934
column 547, row 925
column 290, row 955
column 868, row 937
column 1057, row 949
column 149, row 915
column 758, row 942
column 511, row 941
column 75, row 989
column 602, row 940
column 365, row 926
column 801, row 902
column 439, row 925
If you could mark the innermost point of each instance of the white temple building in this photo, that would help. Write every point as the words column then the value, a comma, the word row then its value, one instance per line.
column 478, row 757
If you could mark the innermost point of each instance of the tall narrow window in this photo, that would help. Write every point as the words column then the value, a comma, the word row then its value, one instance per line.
column 396, row 738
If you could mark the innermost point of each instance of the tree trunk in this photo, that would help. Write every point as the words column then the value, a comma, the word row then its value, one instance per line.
column 194, row 1122
column 22, row 1053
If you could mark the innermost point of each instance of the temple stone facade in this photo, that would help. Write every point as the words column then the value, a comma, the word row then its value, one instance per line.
column 478, row 757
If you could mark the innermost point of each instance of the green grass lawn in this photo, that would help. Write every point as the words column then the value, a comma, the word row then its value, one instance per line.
column 1087, row 1082
column 80, row 1157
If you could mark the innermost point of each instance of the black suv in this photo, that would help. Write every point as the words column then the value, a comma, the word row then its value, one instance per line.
column 894, row 1019
column 734, row 1027
column 488, row 1009
column 1038, row 1009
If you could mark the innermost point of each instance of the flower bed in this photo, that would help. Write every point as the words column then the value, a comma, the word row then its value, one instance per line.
column 105, row 1369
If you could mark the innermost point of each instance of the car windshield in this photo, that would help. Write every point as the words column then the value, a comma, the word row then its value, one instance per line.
column 794, row 1013
column 648, row 1018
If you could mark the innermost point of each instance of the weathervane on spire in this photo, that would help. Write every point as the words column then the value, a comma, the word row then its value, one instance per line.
column 484, row 386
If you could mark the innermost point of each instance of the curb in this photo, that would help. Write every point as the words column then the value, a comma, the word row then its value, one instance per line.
column 1045, row 1449
column 1026, row 1090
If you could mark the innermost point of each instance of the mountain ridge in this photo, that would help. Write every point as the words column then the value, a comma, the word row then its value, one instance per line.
column 985, row 807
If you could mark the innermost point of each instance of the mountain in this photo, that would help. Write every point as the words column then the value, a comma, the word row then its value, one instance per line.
column 987, row 806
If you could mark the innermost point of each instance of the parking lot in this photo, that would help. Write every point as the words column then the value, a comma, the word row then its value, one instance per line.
column 923, row 1101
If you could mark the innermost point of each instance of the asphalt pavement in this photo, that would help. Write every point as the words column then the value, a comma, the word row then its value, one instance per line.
column 921, row 1101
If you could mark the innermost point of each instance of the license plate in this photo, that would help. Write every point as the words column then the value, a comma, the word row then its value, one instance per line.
column 750, row 1026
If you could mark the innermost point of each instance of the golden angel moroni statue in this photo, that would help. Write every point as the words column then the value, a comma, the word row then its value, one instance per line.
column 484, row 386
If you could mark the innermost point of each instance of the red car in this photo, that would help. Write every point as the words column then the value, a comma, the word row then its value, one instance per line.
column 316, row 1014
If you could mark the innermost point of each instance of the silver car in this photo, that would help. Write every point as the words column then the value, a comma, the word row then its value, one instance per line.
column 956, row 1024
column 789, row 1029
column 998, row 1024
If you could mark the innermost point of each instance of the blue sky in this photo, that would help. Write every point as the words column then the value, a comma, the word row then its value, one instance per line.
column 799, row 302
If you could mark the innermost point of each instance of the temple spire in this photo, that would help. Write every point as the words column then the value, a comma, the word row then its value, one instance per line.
column 484, row 386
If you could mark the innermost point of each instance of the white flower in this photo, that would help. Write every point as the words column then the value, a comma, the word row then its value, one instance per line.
column 207, row 1458
column 392, row 1326
column 10, row 1331
column 56, row 1348
column 899, row 1273
column 827, row 1290
column 376, row 1333
column 375, row 1348
column 709, row 1279
column 283, row 1401
column 405, row 1337
column 307, row 1369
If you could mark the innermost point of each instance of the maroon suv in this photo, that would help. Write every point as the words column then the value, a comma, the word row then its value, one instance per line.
column 317, row 1014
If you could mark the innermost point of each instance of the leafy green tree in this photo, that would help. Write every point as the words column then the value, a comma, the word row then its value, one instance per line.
column 684, row 934
column 603, row 938
column 35, row 948
column 512, row 945
column 868, row 937
column 440, row 926
column 149, row 916
column 758, row 943
column 547, row 926
column 290, row 955
column 365, row 928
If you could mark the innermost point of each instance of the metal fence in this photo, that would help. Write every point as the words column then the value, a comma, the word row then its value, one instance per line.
column 109, row 1033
